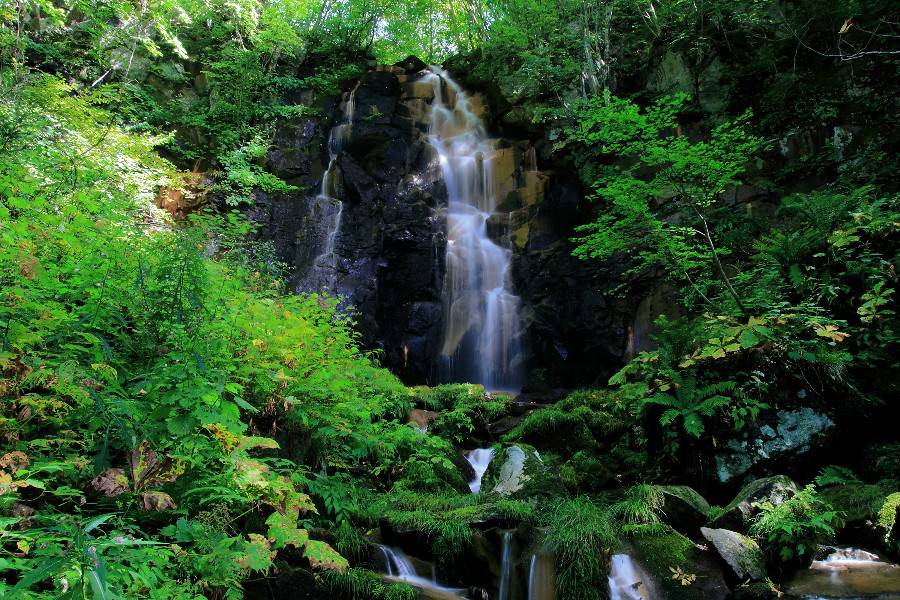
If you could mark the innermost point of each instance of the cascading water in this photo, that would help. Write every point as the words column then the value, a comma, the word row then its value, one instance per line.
column 505, row 567
column 846, row 573
column 326, row 210
column 625, row 580
column 399, row 567
column 542, row 578
column 481, row 313
column 479, row 458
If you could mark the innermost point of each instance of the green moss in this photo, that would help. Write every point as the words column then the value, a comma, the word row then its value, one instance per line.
column 462, row 408
column 887, row 514
column 581, row 534
column 574, row 422
column 855, row 502
column 446, row 520
column 660, row 553
column 361, row 584
column 640, row 509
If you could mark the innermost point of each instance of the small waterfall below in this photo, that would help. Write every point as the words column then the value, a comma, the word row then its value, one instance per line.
column 505, row 567
column 482, row 331
column 846, row 573
column 479, row 458
column 326, row 209
column 542, row 577
column 626, row 582
column 398, row 567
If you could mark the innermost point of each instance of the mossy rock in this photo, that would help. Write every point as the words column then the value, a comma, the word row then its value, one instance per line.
column 661, row 555
column 517, row 471
column 855, row 501
column 684, row 509
column 741, row 554
column 740, row 512
column 758, row 590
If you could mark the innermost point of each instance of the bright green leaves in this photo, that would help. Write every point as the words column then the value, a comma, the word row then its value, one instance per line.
column 660, row 189
column 283, row 531
column 793, row 529
column 257, row 553
column 691, row 403
column 323, row 556
column 733, row 338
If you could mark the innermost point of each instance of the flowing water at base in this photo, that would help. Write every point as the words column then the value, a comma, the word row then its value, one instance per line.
column 399, row 567
column 505, row 567
column 479, row 458
column 626, row 581
column 542, row 578
column 847, row 573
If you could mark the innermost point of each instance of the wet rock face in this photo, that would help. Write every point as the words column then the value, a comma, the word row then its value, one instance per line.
column 391, row 243
column 518, row 472
column 391, row 240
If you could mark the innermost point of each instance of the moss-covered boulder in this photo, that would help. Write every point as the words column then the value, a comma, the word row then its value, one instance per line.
column 756, row 590
column 740, row 512
column 518, row 471
column 741, row 554
column 684, row 508
column 681, row 570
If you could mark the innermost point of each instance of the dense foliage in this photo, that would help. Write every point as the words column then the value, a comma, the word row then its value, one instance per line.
column 174, row 423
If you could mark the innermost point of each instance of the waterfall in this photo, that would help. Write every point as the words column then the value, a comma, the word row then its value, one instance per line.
column 479, row 458
column 326, row 210
column 481, row 313
column 542, row 578
column 505, row 566
column 846, row 573
column 626, row 582
column 398, row 567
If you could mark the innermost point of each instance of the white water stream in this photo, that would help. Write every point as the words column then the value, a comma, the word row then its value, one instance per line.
column 505, row 567
column 399, row 567
column 479, row 458
column 482, row 331
column 326, row 209
column 626, row 582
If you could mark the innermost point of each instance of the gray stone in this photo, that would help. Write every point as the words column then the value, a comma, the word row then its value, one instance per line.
column 517, row 471
column 793, row 433
column 742, row 555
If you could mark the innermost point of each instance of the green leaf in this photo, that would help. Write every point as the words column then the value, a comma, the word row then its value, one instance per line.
column 323, row 556
column 748, row 339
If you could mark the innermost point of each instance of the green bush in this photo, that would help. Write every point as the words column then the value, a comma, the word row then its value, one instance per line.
column 792, row 531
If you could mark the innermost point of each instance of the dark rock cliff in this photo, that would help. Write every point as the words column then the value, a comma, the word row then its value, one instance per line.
column 391, row 241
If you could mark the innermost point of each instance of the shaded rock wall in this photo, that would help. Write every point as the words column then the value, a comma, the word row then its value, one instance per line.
column 391, row 242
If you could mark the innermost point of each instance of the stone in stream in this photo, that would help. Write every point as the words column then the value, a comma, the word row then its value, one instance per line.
column 665, row 555
column 742, row 555
column 518, row 471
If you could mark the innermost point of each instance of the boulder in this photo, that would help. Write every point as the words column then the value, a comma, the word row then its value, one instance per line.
column 784, row 441
column 517, row 471
column 659, row 555
column 421, row 418
column 411, row 64
column 741, row 511
column 684, row 508
column 740, row 553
